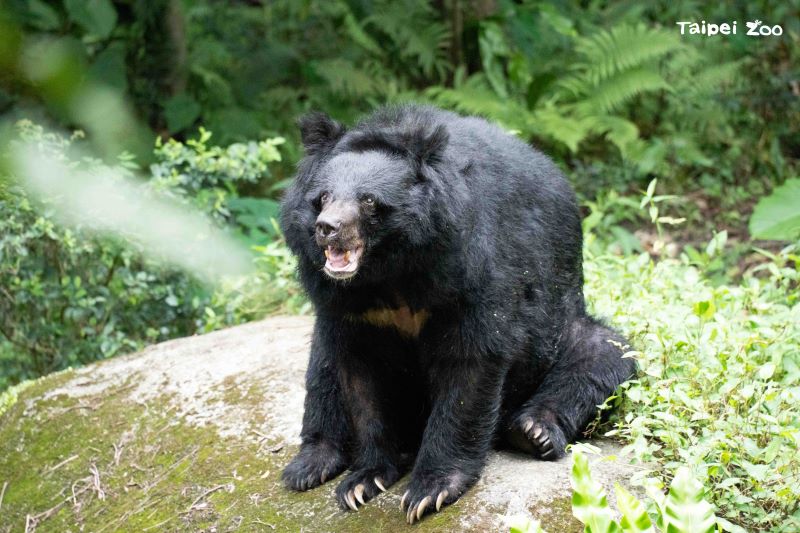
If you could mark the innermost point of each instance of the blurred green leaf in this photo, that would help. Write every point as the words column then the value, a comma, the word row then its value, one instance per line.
column 109, row 67
column 181, row 111
column 634, row 515
column 97, row 17
column 589, row 503
column 685, row 508
column 42, row 16
column 777, row 216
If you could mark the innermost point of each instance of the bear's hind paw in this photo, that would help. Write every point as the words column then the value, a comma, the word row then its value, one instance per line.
column 545, row 441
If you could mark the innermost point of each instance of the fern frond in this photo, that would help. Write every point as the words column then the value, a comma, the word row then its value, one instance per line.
column 345, row 78
column 416, row 32
column 621, row 132
column 607, row 53
column 550, row 123
column 708, row 80
column 612, row 92
column 357, row 34
column 476, row 97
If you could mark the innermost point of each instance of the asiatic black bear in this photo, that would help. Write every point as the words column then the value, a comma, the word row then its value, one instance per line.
column 443, row 258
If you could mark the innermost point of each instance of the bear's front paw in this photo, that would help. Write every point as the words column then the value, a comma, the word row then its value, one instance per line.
column 363, row 484
column 313, row 465
column 430, row 492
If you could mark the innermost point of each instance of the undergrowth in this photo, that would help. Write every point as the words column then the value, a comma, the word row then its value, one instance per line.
column 719, row 379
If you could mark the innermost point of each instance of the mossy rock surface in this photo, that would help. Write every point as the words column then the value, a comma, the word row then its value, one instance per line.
column 192, row 434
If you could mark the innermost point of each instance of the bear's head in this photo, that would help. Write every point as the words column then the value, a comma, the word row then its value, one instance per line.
column 365, row 203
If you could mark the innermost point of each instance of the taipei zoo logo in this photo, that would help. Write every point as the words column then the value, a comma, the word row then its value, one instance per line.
column 755, row 28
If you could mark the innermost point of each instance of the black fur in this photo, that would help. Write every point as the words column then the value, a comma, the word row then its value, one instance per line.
column 478, row 236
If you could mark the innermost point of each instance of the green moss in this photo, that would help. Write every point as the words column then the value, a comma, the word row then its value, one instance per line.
column 557, row 515
column 10, row 396
column 155, row 471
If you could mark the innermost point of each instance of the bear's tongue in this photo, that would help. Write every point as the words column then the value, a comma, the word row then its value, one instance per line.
column 340, row 260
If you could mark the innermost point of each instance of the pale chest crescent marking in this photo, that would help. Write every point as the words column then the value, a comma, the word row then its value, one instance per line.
column 402, row 319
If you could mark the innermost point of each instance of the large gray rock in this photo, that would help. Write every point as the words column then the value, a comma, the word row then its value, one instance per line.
column 191, row 435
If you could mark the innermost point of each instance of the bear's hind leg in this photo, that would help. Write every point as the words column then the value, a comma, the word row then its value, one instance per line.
column 589, row 368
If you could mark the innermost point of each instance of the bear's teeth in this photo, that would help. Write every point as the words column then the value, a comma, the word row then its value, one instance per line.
column 327, row 254
column 347, row 256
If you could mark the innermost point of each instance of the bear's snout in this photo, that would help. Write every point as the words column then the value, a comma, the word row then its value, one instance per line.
column 337, row 222
column 336, row 231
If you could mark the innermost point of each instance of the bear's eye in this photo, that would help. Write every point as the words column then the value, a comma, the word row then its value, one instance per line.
column 368, row 200
column 324, row 197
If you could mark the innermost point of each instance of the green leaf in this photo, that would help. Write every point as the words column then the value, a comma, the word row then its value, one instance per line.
column 97, row 17
column 254, row 214
column 589, row 503
column 651, row 188
column 704, row 309
column 109, row 67
column 717, row 243
column 685, row 509
column 777, row 216
column 493, row 46
column 634, row 515
column 766, row 371
column 181, row 111
column 361, row 37
column 557, row 21
column 41, row 16
column 757, row 472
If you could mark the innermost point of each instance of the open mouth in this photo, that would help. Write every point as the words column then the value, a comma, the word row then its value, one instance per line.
column 342, row 263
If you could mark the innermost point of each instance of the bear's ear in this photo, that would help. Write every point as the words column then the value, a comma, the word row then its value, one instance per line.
column 319, row 132
column 428, row 148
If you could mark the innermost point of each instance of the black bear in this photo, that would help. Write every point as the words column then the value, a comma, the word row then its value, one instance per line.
column 443, row 258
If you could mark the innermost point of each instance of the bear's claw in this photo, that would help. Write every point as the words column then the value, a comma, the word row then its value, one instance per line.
column 427, row 494
column 545, row 441
column 415, row 512
column 363, row 484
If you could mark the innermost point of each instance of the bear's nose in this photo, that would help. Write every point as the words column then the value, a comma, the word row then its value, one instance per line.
column 328, row 225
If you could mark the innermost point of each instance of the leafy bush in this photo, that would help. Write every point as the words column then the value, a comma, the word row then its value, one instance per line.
column 717, row 395
column 719, row 387
column 68, row 296
column 272, row 289
column 209, row 178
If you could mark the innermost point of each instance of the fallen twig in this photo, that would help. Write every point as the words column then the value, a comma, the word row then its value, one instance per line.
column 206, row 493
column 159, row 524
column 80, row 406
column 101, row 495
column 117, row 453
column 3, row 493
column 59, row 465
